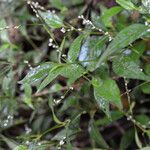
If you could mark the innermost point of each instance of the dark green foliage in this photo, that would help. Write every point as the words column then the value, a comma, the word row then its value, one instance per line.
column 74, row 74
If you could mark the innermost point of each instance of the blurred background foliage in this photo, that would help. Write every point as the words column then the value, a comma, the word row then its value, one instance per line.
column 71, row 82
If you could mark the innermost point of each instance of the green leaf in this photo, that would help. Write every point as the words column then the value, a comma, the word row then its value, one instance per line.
column 145, row 88
column 61, row 49
column 97, row 21
column 91, row 50
column 38, row 73
column 75, row 48
column 108, row 14
column 62, row 133
column 138, row 50
column 58, row 4
column 51, row 19
column 127, row 4
column 69, row 102
column 115, row 115
column 53, row 73
column 148, row 133
column 147, row 69
column 96, row 135
column 4, row 47
column 106, row 91
column 125, row 66
column 123, row 39
column 126, row 140
column 143, row 119
column 70, row 71
column 69, row 146
column 21, row 147
column 28, row 95
column 28, row 90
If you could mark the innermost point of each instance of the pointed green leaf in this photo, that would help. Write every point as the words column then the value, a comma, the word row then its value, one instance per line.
column 75, row 48
column 38, row 73
column 70, row 71
column 96, row 135
column 58, row 4
column 125, row 66
column 106, row 91
column 145, row 88
column 126, row 140
column 109, row 13
column 143, row 119
column 51, row 19
column 123, row 39
column 53, row 73
column 127, row 4
column 91, row 50
column 28, row 95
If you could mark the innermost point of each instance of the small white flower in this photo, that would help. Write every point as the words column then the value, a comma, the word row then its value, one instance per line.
column 106, row 33
column 62, row 97
column 146, row 23
column 63, row 55
column 50, row 40
column 71, row 88
column 61, row 142
column 79, row 29
column 50, row 44
column 63, row 30
column 148, row 30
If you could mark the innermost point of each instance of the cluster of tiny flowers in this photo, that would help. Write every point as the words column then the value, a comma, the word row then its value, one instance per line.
column 53, row 11
column 51, row 44
column 58, row 100
column 8, row 121
column 39, row 144
column 9, row 27
column 88, row 22
column 61, row 142
column 64, row 55
column 27, row 142
column 146, row 23
column 109, row 36
column 148, row 30
column 134, row 121
column 63, row 96
column 63, row 30
column 27, row 129
column 32, row 5
column 29, row 65
column 35, row 5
